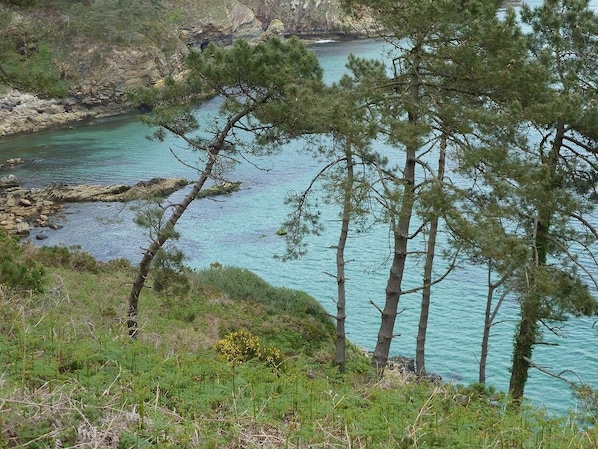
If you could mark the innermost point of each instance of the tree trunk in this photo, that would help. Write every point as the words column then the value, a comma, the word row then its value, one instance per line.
column 156, row 245
column 340, row 263
column 527, row 333
column 213, row 150
column 525, row 340
column 420, row 348
column 486, row 335
column 401, row 236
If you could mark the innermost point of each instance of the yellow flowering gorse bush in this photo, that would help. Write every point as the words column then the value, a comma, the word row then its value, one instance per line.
column 241, row 346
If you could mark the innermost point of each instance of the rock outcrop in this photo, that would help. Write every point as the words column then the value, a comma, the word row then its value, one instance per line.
column 21, row 209
column 309, row 18
column 101, row 72
column 223, row 188
column 22, row 112
column 259, row 19
column 100, row 77
column 154, row 188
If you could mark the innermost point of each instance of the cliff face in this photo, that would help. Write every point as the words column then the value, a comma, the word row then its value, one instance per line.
column 259, row 19
column 100, row 72
column 308, row 17
column 99, row 76
column 250, row 19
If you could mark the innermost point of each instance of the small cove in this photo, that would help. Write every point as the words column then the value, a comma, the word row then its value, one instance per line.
column 240, row 230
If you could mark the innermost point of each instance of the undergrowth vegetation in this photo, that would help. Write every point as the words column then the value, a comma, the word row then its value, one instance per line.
column 231, row 363
column 38, row 38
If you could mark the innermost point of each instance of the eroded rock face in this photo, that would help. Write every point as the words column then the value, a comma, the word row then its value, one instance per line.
column 100, row 79
column 259, row 19
column 108, row 72
column 21, row 112
column 302, row 17
column 100, row 73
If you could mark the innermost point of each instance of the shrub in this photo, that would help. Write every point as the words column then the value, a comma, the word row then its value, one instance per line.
column 71, row 257
column 17, row 271
column 119, row 264
column 170, row 275
column 242, row 284
column 242, row 346
column 32, row 69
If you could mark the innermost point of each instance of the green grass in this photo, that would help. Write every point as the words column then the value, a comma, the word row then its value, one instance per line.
column 71, row 375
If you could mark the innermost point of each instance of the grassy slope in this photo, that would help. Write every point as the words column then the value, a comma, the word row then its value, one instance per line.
column 71, row 375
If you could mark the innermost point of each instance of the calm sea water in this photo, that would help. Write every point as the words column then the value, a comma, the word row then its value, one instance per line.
column 240, row 230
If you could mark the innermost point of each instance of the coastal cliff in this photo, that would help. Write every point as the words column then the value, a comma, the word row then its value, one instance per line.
column 101, row 53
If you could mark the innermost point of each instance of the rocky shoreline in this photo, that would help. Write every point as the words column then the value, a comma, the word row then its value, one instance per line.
column 101, row 70
column 22, row 113
column 22, row 209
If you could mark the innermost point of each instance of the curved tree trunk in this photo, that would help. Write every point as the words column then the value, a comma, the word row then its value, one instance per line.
column 213, row 149
column 156, row 245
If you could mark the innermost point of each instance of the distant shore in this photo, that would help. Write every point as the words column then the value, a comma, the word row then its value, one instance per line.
column 26, row 113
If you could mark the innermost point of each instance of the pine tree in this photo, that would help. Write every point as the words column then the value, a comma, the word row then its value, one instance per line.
column 336, row 116
column 255, row 82
column 538, row 182
column 448, row 72
column 562, row 190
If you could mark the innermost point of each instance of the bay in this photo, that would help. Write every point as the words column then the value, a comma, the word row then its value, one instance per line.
column 240, row 230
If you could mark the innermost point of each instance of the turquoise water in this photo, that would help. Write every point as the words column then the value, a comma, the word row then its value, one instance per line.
column 241, row 230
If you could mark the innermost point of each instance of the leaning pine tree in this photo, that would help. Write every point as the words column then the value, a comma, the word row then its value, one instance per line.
column 253, row 81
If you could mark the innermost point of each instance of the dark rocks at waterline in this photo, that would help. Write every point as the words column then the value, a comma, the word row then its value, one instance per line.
column 455, row 377
column 406, row 367
column 11, row 163
column 401, row 363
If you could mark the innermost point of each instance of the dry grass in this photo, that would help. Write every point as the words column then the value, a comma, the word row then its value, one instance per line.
column 71, row 377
